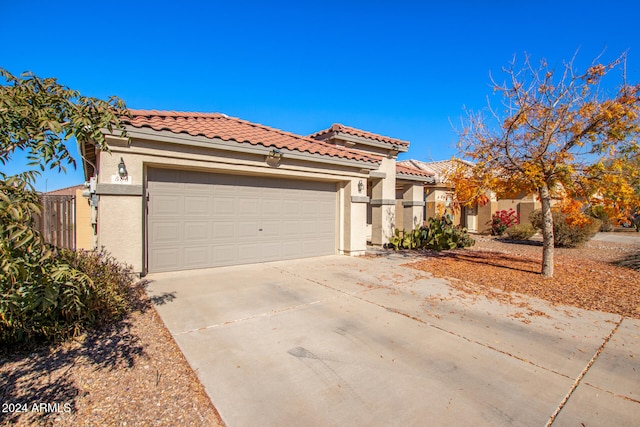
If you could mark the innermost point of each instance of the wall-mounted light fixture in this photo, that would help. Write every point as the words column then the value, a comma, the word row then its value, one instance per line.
column 360, row 186
column 275, row 154
column 122, row 169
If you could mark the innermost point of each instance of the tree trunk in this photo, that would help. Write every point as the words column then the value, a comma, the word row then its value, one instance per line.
column 547, row 232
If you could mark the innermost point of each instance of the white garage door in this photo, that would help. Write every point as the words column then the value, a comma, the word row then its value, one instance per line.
column 200, row 220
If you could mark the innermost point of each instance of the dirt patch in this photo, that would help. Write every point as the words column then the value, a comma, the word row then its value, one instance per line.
column 597, row 276
column 131, row 373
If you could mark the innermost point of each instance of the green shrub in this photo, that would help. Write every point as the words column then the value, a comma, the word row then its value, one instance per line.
column 520, row 232
column 598, row 212
column 567, row 235
column 438, row 234
column 46, row 295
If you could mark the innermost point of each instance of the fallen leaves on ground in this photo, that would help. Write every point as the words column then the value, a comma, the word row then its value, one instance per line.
column 582, row 278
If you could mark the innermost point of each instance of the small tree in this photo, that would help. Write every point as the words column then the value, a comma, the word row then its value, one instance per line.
column 553, row 125
column 44, row 295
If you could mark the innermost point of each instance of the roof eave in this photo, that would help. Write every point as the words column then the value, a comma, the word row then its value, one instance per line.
column 244, row 147
column 416, row 178
column 354, row 139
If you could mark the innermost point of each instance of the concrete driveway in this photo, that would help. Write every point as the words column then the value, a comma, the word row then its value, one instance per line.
column 353, row 341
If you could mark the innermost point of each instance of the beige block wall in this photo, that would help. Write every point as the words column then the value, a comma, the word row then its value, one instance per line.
column 84, row 231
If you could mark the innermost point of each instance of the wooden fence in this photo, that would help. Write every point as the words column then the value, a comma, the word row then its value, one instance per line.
column 58, row 220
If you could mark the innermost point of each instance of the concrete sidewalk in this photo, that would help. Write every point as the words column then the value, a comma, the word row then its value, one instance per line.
column 628, row 238
column 352, row 341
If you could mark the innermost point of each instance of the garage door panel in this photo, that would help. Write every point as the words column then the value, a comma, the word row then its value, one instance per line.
column 248, row 207
column 167, row 205
column 248, row 229
column 196, row 231
column 224, row 230
column 309, row 207
column 272, row 251
column 223, row 255
column 165, row 259
column 224, row 205
column 196, row 205
column 291, row 250
column 196, row 256
column 271, row 208
column 166, row 232
column 207, row 220
column 290, row 208
column 248, row 252
column 271, row 229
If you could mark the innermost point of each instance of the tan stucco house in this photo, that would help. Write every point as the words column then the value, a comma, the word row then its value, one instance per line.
column 477, row 218
column 195, row 190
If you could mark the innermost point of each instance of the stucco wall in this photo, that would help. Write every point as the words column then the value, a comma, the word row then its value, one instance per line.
column 120, row 229
column 352, row 225
column 84, row 231
column 121, row 217
column 383, row 202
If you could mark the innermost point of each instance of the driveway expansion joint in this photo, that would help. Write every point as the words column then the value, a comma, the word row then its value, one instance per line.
column 255, row 316
column 576, row 383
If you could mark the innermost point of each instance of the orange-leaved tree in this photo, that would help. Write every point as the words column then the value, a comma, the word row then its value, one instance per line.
column 554, row 124
column 615, row 185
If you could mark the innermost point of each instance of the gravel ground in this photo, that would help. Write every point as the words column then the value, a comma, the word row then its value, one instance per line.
column 130, row 374
column 599, row 275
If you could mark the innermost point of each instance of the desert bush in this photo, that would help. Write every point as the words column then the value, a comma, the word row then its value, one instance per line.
column 46, row 294
column 520, row 232
column 569, row 230
column 503, row 219
column 598, row 211
column 438, row 234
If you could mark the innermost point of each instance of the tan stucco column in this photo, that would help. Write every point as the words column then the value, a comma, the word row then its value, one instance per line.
column 412, row 205
column 354, row 234
column 383, row 202
column 120, row 210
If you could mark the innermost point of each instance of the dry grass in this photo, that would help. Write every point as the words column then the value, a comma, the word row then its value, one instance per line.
column 131, row 373
column 597, row 276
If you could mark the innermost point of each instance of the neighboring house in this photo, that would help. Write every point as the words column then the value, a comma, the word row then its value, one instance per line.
column 194, row 190
column 66, row 218
column 477, row 218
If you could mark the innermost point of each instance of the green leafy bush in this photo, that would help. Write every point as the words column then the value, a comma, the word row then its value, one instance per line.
column 520, row 232
column 598, row 212
column 45, row 294
column 566, row 234
column 438, row 234
column 503, row 219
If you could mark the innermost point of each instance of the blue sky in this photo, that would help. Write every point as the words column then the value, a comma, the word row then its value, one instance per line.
column 397, row 68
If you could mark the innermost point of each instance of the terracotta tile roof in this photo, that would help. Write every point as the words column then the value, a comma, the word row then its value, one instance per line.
column 68, row 191
column 216, row 125
column 337, row 127
column 406, row 170
column 439, row 169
